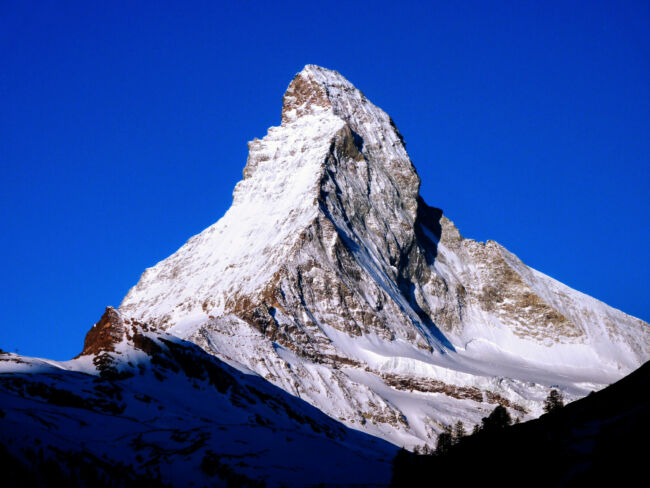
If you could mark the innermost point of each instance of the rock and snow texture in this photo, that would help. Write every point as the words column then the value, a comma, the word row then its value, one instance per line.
column 139, row 405
column 331, row 277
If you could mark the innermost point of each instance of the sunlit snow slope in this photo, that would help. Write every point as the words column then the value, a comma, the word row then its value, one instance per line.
column 330, row 277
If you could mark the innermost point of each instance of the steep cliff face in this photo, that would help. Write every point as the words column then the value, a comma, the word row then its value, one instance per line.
column 333, row 279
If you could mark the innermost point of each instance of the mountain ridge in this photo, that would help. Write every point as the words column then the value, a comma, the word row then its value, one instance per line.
column 330, row 310
column 336, row 272
column 146, row 408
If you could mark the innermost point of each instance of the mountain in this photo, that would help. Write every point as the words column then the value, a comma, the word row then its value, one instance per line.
column 328, row 318
column 331, row 278
column 139, row 407
column 594, row 441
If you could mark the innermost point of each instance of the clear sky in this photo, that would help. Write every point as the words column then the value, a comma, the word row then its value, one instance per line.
column 123, row 130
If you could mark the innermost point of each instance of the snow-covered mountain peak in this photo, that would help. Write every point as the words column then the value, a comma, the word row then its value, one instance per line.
column 307, row 94
column 337, row 159
column 333, row 279
column 316, row 90
column 319, row 91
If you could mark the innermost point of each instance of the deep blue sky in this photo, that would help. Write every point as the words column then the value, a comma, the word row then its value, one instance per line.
column 123, row 131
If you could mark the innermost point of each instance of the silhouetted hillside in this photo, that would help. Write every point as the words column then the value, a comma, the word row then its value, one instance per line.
column 594, row 441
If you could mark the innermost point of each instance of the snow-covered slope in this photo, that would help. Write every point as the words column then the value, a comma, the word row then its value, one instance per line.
column 331, row 277
column 140, row 406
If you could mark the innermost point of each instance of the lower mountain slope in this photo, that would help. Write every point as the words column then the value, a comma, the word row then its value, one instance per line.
column 139, row 407
column 598, row 440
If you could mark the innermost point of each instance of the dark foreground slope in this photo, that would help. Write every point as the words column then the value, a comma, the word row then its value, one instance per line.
column 594, row 441
column 142, row 408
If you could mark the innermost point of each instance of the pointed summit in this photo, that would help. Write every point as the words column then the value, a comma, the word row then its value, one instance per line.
column 331, row 277
column 307, row 94
column 316, row 90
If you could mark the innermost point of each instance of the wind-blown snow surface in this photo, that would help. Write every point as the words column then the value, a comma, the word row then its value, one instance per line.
column 330, row 277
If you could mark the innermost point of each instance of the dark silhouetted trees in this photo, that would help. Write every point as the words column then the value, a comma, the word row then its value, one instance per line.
column 459, row 431
column 445, row 441
column 554, row 400
column 498, row 419
column 590, row 442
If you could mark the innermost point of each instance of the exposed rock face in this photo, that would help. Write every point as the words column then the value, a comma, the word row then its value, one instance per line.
column 105, row 334
column 331, row 277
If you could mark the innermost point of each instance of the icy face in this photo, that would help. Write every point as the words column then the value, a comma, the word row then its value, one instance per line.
column 330, row 277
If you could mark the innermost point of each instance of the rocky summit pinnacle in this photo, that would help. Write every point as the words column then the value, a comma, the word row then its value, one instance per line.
column 330, row 277
column 307, row 94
